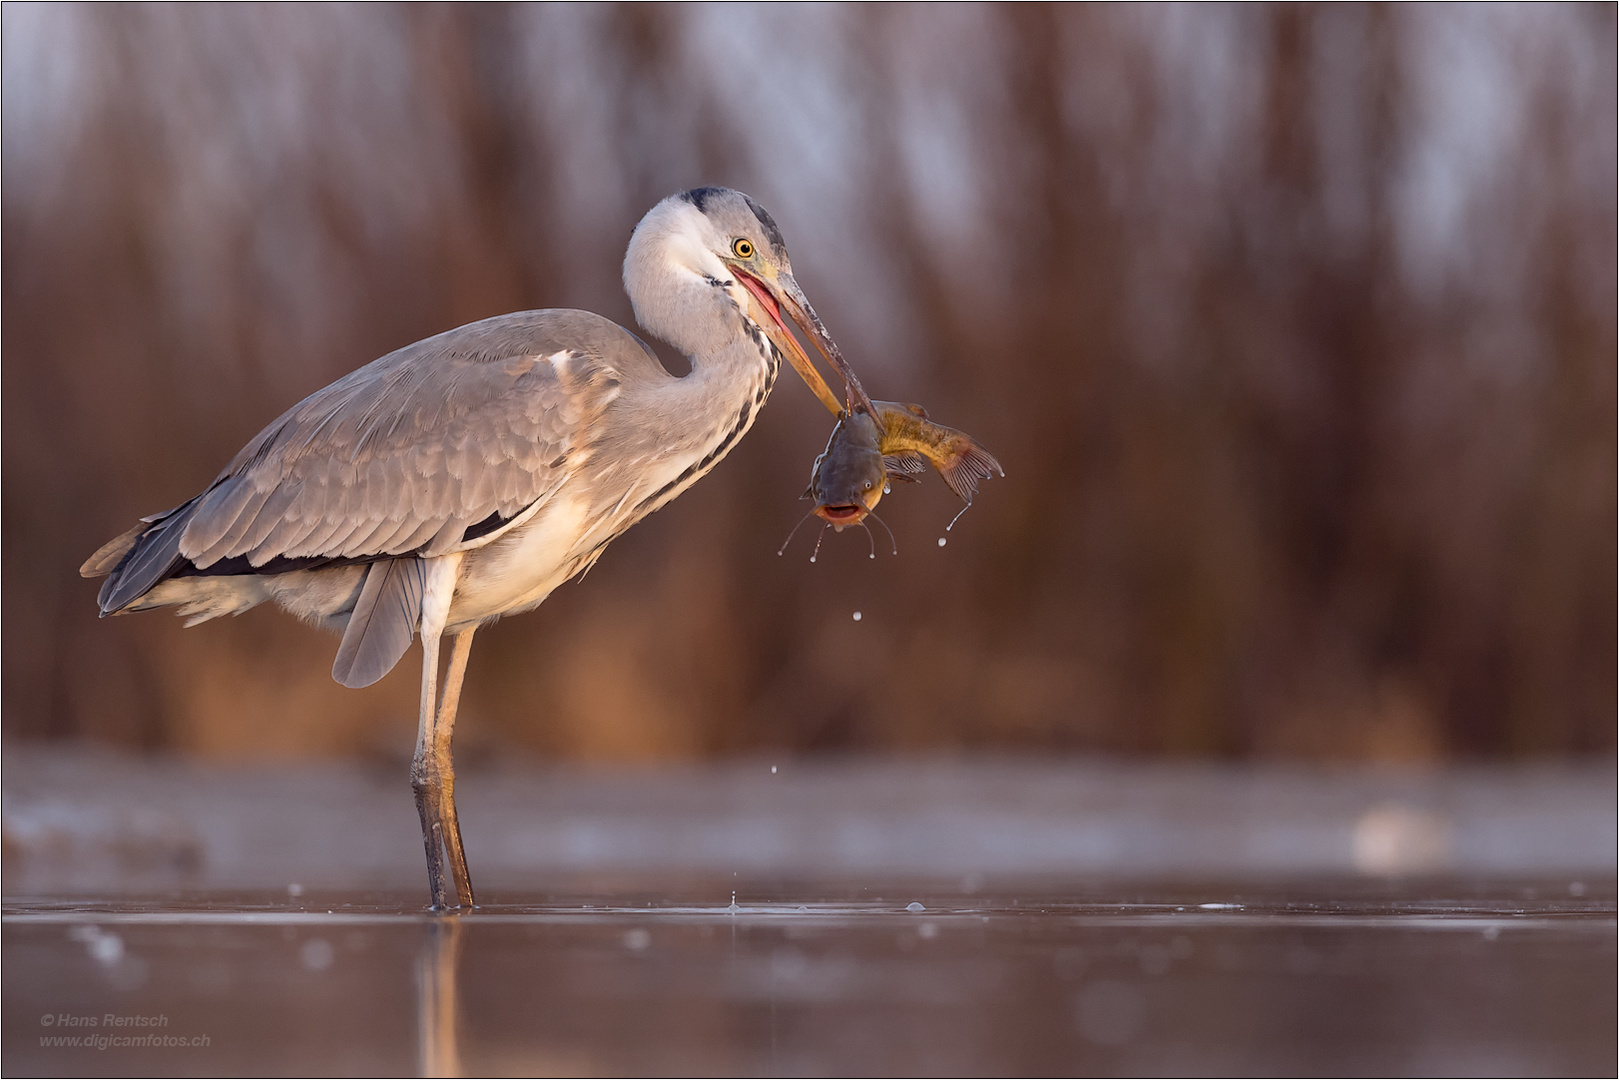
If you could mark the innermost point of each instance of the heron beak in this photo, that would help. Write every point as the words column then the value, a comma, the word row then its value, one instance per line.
column 784, row 294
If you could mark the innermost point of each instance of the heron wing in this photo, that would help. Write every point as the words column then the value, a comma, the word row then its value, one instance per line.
column 384, row 621
column 452, row 436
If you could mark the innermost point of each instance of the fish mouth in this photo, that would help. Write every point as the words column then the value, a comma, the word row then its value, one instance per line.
column 840, row 517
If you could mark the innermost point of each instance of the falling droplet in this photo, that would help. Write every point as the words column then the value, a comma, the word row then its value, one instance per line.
column 873, row 555
column 857, row 616
column 812, row 558
column 942, row 541
column 772, row 770
column 316, row 954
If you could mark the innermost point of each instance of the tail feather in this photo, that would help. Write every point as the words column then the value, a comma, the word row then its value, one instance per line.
column 383, row 622
column 110, row 554
column 153, row 554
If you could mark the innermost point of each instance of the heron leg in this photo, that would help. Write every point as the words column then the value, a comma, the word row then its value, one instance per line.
column 424, row 775
column 429, row 767
column 443, row 728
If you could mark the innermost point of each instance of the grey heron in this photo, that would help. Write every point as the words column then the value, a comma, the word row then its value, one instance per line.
column 466, row 476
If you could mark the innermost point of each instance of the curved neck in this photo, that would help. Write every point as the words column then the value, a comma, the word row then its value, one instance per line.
column 681, row 291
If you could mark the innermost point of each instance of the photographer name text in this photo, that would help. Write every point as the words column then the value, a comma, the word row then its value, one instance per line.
column 105, row 1020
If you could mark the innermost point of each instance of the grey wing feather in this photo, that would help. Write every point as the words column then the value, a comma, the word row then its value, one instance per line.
column 383, row 623
column 411, row 449
column 403, row 455
column 110, row 554
column 152, row 557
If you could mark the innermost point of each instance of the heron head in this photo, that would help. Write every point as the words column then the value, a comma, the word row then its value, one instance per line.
column 718, row 242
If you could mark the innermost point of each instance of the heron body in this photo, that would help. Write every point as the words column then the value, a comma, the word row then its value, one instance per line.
column 464, row 477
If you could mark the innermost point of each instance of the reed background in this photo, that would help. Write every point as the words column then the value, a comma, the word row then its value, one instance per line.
column 1294, row 327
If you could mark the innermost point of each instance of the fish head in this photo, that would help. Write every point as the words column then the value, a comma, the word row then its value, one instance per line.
column 850, row 476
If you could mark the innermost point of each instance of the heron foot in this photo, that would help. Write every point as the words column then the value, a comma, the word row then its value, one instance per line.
column 452, row 843
column 441, row 837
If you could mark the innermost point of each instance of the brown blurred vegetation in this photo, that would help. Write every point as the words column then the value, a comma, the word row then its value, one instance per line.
column 1294, row 327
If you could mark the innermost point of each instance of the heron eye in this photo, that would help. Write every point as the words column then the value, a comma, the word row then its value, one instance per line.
column 742, row 248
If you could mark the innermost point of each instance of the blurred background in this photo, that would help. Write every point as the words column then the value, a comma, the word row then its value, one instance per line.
column 1294, row 328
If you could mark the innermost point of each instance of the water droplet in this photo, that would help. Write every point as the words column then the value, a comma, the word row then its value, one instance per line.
column 812, row 558
column 637, row 939
column 941, row 541
column 295, row 890
column 772, row 770
column 316, row 954
column 105, row 948
column 857, row 616
column 915, row 906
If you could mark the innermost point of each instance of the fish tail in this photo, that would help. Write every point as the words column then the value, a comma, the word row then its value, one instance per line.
column 958, row 459
column 969, row 464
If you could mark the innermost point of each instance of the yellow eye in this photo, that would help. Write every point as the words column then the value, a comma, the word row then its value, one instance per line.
column 742, row 248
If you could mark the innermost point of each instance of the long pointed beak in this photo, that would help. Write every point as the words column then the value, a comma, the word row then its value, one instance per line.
column 798, row 306
column 784, row 293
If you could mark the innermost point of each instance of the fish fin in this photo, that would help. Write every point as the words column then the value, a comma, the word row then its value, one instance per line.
column 887, row 408
column 383, row 622
column 969, row 465
column 906, row 461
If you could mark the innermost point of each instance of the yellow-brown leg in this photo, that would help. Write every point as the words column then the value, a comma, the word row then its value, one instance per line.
column 427, row 773
column 443, row 729
column 425, row 780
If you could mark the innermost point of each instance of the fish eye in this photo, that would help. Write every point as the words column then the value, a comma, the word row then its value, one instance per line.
column 742, row 247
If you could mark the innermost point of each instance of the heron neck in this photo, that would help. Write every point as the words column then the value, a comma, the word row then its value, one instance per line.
column 742, row 368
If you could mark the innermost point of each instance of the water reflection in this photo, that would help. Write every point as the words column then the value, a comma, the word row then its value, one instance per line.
column 1429, row 977
column 437, row 1009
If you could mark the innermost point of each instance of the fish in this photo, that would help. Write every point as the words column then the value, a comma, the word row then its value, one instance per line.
column 850, row 476
column 866, row 454
column 909, row 438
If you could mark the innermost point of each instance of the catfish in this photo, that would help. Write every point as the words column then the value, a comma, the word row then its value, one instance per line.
column 866, row 454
